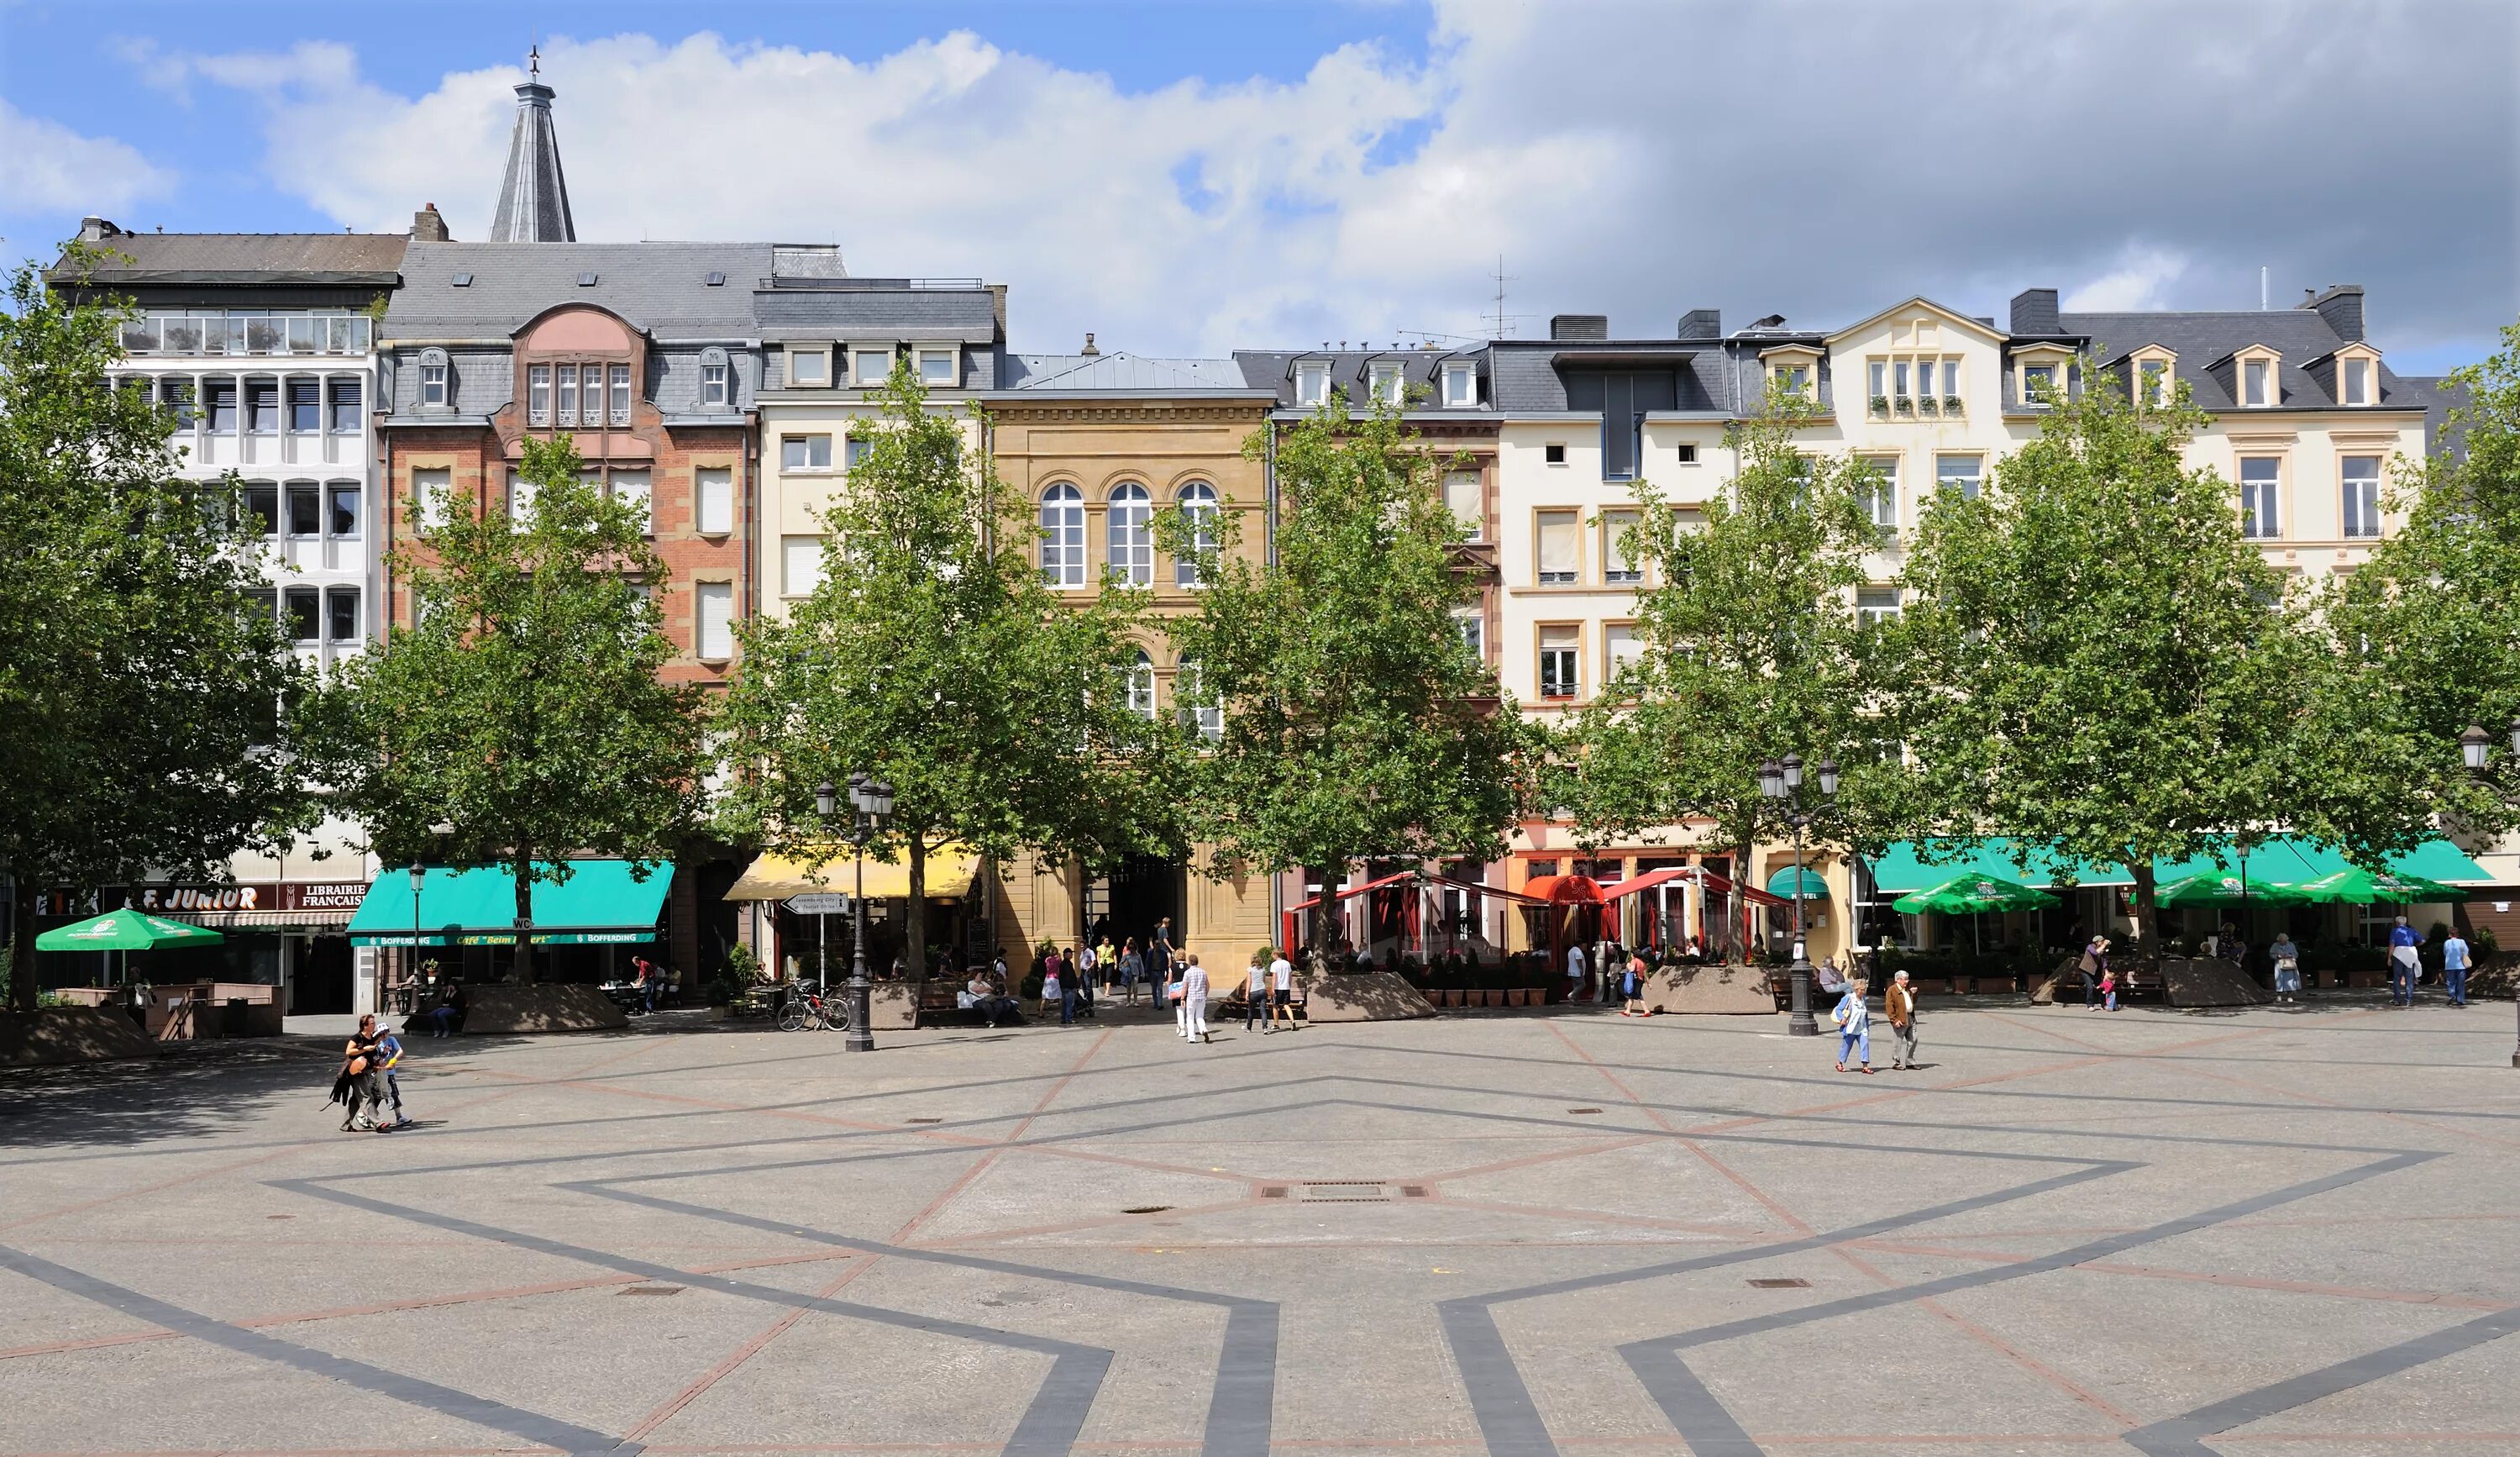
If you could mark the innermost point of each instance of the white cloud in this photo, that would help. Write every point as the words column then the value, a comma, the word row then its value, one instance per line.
column 47, row 167
column 1639, row 161
column 2141, row 280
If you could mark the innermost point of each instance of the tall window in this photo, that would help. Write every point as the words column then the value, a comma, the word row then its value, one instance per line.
column 715, row 488
column 1560, row 649
column 538, row 394
column 1562, row 548
column 2155, row 377
column 1198, row 501
column 1312, row 385
column 1386, row 383
column 1474, row 636
column 262, row 406
column 302, row 612
column 1620, row 646
column 2255, row 375
column 2358, row 382
column 1467, row 499
column 2260, row 492
column 713, row 627
column 432, row 487
column 520, row 502
column 1620, row 564
column 568, row 410
column 620, row 393
column 855, row 449
column 1959, row 473
column 342, row 615
column 433, row 381
column 223, row 406
column 1880, row 492
column 262, row 504
column 632, row 490
column 714, row 383
column 1062, row 536
column 1460, row 387
column 305, row 509
column 1129, row 538
column 1190, row 691
column 345, row 407
column 305, row 405
column 2362, row 477
column 801, row 565
column 1141, row 686
column 341, row 511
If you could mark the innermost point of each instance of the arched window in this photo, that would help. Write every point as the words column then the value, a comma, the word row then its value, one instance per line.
column 1129, row 536
column 437, row 380
column 1198, row 501
column 1062, row 536
column 1141, row 686
column 1189, row 687
column 717, row 381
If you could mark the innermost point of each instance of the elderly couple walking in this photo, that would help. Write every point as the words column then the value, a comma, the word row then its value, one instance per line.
column 1854, row 1021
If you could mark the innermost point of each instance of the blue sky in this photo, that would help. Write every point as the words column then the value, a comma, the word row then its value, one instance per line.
column 1186, row 177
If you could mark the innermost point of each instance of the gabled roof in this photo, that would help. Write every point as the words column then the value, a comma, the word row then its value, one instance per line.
column 661, row 288
column 1971, row 323
column 245, row 259
column 2301, row 336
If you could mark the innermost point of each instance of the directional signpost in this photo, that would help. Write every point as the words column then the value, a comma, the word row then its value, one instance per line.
column 819, row 907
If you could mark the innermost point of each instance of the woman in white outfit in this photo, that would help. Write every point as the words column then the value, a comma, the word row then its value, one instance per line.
column 1194, row 983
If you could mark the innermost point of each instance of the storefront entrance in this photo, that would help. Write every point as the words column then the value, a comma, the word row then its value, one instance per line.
column 320, row 984
column 1131, row 900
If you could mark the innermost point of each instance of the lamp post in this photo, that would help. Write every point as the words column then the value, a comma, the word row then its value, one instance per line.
column 419, row 877
column 2473, row 746
column 1781, row 780
column 825, row 801
column 872, row 800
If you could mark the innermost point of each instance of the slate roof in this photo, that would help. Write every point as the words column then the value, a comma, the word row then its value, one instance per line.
column 2201, row 340
column 1123, row 373
column 661, row 288
column 1273, row 370
column 1530, row 380
column 247, row 260
column 533, row 197
column 872, row 309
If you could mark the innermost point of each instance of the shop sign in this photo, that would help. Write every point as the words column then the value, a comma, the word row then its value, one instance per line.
column 322, row 896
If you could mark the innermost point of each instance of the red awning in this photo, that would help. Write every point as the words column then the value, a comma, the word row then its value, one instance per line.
column 1717, row 884
column 1645, row 882
column 1564, row 890
column 1354, row 891
column 1470, row 887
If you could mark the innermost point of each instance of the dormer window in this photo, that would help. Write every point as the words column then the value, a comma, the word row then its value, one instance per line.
column 1460, row 386
column 2038, row 382
column 1385, row 381
column 2358, row 382
column 1313, row 384
column 434, row 380
column 937, row 369
column 809, row 369
column 2353, row 375
column 2254, row 391
column 717, row 381
column 2256, row 386
column 870, row 368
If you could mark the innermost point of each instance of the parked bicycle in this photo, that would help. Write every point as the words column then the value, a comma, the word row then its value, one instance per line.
column 813, row 1011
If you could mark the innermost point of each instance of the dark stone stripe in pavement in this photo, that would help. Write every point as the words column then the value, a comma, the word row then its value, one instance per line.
column 1049, row 1426
column 1685, row 1400
column 2184, row 1435
column 1240, row 1407
column 481, row 1411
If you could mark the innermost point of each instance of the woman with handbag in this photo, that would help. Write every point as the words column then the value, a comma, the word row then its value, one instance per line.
column 1854, row 1028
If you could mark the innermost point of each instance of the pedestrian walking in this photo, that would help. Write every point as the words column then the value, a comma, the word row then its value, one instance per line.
column 2404, row 964
column 390, row 1049
column 1106, row 960
column 1282, row 991
column 1054, row 987
column 1255, row 995
column 2454, row 965
column 1194, row 1000
column 2088, row 966
column 1631, row 988
column 1159, row 951
column 2288, row 962
column 2109, row 991
column 1900, row 1002
column 1133, row 969
column 359, row 1088
column 1173, row 998
column 1574, row 974
column 1854, row 1030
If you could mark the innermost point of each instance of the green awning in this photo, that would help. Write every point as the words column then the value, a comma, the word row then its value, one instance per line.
column 2284, row 860
column 125, row 929
column 603, row 902
column 1782, row 884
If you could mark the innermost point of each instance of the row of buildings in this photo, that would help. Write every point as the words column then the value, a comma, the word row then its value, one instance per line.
column 358, row 381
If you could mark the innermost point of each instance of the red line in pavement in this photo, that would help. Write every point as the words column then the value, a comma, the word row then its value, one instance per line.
column 162, row 1184
column 2027, row 1362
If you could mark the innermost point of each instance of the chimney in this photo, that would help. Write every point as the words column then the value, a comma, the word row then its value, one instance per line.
column 2034, row 311
column 2342, row 308
column 428, row 227
column 1702, row 323
column 1089, row 350
column 1579, row 326
column 998, row 310
column 97, row 230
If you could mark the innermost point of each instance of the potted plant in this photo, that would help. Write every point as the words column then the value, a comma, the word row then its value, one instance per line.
column 1925, row 404
column 1904, row 405
column 1950, row 404
column 1881, row 404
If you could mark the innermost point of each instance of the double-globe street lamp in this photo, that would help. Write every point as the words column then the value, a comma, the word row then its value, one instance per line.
column 1781, row 780
column 871, row 804
column 2474, row 746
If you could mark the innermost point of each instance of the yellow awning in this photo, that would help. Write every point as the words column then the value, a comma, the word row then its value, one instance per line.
column 950, row 871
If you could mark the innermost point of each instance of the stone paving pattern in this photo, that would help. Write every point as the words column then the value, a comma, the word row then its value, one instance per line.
column 2279, row 1231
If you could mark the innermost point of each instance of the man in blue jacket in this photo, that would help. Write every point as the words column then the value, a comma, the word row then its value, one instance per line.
column 2404, row 965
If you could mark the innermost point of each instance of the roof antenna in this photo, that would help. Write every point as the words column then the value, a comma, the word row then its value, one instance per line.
column 2263, row 304
column 1500, row 281
column 534, row 56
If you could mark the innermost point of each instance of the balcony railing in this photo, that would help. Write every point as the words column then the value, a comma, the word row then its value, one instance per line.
column 205, row 334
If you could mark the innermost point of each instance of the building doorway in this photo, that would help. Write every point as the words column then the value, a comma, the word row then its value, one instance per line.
column 1129, row 901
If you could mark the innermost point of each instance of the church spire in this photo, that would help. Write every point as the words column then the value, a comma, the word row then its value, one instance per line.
column 533, row 201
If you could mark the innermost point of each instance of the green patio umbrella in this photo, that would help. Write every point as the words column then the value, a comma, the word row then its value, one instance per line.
column 1969, row 892
column 2225, row 887
column 2360, row 886
column 126, row 930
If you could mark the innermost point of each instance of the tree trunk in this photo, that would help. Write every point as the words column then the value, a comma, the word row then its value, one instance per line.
column 1742, row 909
column 1325, row 918
column 2147, row 937
column 914, row 927
column 524, row 870
column 22, row 951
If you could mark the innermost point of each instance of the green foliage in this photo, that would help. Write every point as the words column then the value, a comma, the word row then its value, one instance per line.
column 141, row 688
column 523, row 708
column 1357, row 722
column 935, row 657
column 2092, row 660
column 1749, row 648
column 2424, row 639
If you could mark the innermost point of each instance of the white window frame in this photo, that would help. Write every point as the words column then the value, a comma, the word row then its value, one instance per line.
column 2359, row 498
column 952, row 378
column 1200, row 507
column 1567, row 684
column 637, row 488
column 1386, row 381
column 1190, row 682
column 1974, row 481
column 436, row 381
column 620, row 413
column 821, row 360
column 434, row 485
column 538, row 396
column 1312, row 384
column 1878, row 612
column 1881, row 495
column 859, row 354
column 2259, row 369
column 714, row 621
column 1062, row 539
column 805, row 443
column 795, row 552
column 2262, row 500
column 2357, row 381
column 713, row 500
column 1129, row 534
column 1460, row 387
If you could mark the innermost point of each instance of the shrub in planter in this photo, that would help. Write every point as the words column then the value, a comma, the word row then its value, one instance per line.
column 1881, row 404
column 1950, row 404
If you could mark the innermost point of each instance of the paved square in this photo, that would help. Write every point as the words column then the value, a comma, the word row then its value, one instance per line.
column 2277, row 1231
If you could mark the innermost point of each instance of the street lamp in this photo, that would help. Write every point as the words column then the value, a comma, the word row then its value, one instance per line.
column 871, row 798
column 1781, row 780
column 2472, row 746
column 825, row 802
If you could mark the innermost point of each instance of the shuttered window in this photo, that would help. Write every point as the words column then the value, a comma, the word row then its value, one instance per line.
column 1562, row 548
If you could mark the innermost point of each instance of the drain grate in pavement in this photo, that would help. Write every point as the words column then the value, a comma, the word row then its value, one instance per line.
column 1273, row 1191
column 923, row 1121
column 1780, row 1284
column 1343, row 1190
column 653, row 1290
column 1413, row 1191
column 1583, row 1110
column 1147, row 1209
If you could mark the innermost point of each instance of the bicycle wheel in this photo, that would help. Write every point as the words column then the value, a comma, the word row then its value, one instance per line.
column 791, row 1014
column 836, row 1015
